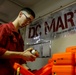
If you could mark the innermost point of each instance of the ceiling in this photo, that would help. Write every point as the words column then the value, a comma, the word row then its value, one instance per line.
column 9, row 8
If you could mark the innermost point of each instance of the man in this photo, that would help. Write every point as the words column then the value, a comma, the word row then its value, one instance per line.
column 11, row 42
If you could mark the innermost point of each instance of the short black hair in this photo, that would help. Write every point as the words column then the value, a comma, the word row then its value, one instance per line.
column 29, row 11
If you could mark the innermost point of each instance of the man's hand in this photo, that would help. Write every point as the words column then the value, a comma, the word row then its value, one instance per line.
column 27, row 55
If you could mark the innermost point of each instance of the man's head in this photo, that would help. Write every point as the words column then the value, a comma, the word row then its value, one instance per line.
column 29, row 11
column 26, row 16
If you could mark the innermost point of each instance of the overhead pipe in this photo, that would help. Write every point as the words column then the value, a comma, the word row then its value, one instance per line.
column 58, row 9
column 16, row 3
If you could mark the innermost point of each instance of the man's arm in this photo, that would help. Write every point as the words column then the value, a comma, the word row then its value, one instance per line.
column 26, row 55
column 11, row 54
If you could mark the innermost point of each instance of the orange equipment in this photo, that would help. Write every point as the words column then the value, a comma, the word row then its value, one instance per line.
column 71, row 49
column 66, row 58
column 45, row 70
column 22, row 70
column 63, row 70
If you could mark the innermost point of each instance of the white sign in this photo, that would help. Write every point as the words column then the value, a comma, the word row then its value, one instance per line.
column 53, row 25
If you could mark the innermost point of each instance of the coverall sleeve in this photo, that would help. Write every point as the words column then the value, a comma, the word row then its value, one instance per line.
column 3, row 40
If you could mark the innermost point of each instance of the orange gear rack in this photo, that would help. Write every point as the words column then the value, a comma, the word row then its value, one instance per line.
column 60, row 64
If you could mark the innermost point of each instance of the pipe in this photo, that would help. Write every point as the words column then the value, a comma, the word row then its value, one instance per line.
column 16, row 3
column 56, row 10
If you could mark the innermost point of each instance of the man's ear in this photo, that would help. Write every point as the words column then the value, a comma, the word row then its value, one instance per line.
column 20, row 14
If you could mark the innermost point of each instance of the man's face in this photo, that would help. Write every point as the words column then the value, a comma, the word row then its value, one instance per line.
column 25, row 19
